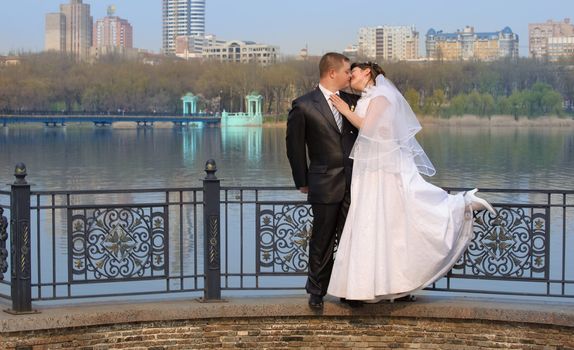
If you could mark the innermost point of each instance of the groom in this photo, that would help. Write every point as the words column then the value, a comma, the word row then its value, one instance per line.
column 319, row 141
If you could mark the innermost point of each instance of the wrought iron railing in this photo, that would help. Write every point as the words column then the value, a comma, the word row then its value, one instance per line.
column 86, row 244
column 524, row 250
column 3, row 239
column 244, row 240
column 4, row 209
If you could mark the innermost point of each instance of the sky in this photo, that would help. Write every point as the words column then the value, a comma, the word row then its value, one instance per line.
column 319, row 25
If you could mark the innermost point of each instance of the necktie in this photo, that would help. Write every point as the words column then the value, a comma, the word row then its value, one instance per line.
column 338, row 118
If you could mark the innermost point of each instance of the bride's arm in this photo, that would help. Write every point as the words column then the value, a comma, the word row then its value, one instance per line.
column 377, row 107
column 344, row 109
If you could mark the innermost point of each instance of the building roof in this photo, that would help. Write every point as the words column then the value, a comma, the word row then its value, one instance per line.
column 480, row 36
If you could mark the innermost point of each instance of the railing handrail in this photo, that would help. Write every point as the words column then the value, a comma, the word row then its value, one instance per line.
column 114, row 191
column 513, row 190
column 268, row 188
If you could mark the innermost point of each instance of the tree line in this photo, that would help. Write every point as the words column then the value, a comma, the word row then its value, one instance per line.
column 55, row 83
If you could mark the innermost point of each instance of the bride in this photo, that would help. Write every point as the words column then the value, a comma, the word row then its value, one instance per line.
column 401, row 233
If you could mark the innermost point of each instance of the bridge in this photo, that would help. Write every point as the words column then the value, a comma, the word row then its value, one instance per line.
column 253, row 116
column 106, row 120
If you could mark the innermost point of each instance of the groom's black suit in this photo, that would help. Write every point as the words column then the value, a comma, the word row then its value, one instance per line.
column 319, row 156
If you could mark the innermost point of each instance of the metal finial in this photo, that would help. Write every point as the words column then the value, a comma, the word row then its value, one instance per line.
column 210, row 169
column 20, row 173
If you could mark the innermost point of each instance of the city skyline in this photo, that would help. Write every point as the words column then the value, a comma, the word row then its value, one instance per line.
column 320, row 25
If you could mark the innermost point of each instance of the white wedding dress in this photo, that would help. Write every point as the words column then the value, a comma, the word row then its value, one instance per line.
column 401, row 233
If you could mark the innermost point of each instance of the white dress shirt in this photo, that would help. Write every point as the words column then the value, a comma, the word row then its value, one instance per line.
column 327, row 93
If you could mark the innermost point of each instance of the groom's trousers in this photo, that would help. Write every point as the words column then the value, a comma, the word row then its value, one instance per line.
column 328, row 223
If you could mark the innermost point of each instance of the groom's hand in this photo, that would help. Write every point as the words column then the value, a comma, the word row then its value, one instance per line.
column 304, row 189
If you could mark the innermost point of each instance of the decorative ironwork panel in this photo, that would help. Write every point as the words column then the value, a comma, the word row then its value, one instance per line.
column 24, row 254
column 3, row 239
column 283, row 238
column 213, row 242
column 512, row 245
column 117, row 243
column 13, row 247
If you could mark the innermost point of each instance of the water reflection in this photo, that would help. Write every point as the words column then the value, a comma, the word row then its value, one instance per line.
column 243, row 141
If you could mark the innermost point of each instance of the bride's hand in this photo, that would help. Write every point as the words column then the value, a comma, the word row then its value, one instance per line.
column 344, row 109
column 341, row 105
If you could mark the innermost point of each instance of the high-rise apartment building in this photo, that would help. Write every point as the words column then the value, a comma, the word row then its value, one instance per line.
column 551, row 40
column 113, row 31
column 393, row 43
column 183, row 18
column 367, row 43
column 197, row 18
column 468, row 45
column 79, row 25
column 74, row 35
column 560, row 47
column 55, row 32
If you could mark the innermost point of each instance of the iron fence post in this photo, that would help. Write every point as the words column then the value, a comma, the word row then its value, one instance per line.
column 3, row 239
column 211, row 233
column 20, row 241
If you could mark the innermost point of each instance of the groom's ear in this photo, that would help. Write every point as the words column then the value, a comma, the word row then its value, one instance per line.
column 332, row 73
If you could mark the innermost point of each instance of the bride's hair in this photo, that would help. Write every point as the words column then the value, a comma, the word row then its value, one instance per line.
column 373, row 66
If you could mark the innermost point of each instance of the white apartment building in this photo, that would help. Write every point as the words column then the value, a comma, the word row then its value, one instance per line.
column 393, row 43
column 560, row 47
column 185, row 45
column 242, row 52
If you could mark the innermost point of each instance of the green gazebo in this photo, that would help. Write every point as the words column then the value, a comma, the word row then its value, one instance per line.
column 189, row 104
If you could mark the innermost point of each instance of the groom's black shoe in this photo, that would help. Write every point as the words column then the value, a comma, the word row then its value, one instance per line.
column 315, row 302
column 352, row 303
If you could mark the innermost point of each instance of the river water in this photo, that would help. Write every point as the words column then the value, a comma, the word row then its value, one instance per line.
column 85, row 157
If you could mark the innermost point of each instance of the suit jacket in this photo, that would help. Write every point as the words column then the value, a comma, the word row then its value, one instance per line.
column 318, row 152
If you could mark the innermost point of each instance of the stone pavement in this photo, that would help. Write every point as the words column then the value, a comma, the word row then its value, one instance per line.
column 178, row 308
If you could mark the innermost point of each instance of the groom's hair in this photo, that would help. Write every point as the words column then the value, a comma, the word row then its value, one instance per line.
column 331, row 60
